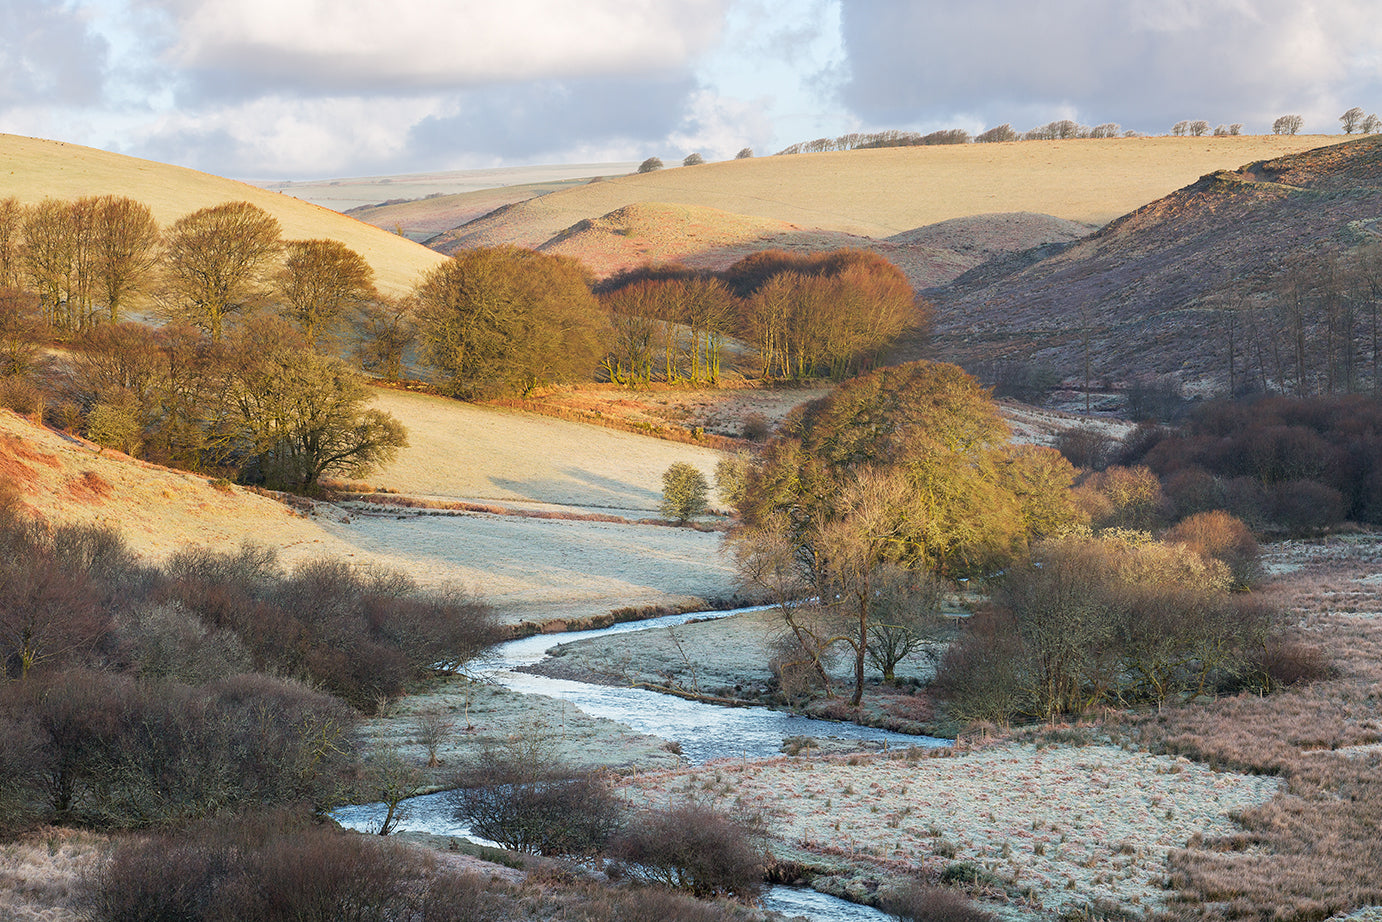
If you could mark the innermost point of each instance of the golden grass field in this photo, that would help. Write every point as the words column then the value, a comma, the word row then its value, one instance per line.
column 33, row 169
column 528, row 568
column 879, row 193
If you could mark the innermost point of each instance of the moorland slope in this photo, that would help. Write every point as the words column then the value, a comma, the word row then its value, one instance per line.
column 1148, row 290
column 881, row 193
column 32, row 169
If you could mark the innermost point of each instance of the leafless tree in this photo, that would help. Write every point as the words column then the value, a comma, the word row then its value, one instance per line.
column 997, row 134
column 744, row 154
column 1288, row 124
column 693, row 159
column 125, row 238
column 218, row 260
column 384, row 331
column 11, row 226
column 321, row 280
column 1180, row 129
column 1352, row 120
column 1106, row 130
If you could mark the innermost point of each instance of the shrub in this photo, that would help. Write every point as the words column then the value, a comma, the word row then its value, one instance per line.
column 1219, row 536
column 919, row 902
column 684, row 492
column 280, row 867
column 520, row 798
column 1086, row 447
column 694, row 848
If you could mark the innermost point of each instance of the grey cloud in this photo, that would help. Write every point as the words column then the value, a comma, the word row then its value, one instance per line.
column 1146, row 67
column 550, row 118
column 48, row 55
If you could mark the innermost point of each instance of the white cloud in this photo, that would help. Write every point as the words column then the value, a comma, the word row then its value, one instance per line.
column 363, row 45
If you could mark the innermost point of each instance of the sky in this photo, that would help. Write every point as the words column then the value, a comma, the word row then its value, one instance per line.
column 310, row 89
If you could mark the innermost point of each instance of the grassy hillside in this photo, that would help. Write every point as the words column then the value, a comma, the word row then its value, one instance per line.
column 32, row 169
column 1150, row 289
column 880, row 193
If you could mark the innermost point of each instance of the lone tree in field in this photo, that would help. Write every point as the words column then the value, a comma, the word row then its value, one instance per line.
column 505, row 319
column 693, row 159
column 1288, row 124
column 320, row 281
column 652, row 164
column 1352, row 120
column 685, row 492
column 218, row 261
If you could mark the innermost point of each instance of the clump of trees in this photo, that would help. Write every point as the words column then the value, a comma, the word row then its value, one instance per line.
column 824, row 315
column 1117, row 619
column 1288, row 124
column 898, row 474
column 508, row 319
column 1293, row 464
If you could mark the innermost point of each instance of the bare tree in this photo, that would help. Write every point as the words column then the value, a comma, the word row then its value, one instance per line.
column 125, row 238
column 1288, row 124
column 744, row 154
column 320, row 281
column 1370, row 125
column 11, row 225
column 1180, row 129
column 650, row 165
column 1106, row 130
column 384, row 331
column 217, row 261
column 1198, row 128
column 693, row 159
column 997, row 134
column 1352, row 120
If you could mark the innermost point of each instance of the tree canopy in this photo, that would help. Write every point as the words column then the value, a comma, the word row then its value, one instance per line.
column 500, row 319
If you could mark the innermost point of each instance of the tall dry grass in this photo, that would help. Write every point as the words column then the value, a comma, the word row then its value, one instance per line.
column 1314, row 850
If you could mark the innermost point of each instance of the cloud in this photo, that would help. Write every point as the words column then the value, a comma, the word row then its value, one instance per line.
column 48, row 55
column 1147, row 65
column 335, row 47
column 548, row 118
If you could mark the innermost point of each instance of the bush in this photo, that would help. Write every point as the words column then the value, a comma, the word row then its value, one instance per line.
column 685, row 492
column 919, row 902
column 694, row 848
column 1219, row 536
column 277, row 868
column 518, row 797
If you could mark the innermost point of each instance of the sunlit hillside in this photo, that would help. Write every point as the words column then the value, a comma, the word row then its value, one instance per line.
column 880, row 193
column 32, row 169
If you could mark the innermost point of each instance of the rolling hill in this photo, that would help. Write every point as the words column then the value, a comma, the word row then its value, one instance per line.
column 32, row 169
column 1150, row 289
column 897, row 201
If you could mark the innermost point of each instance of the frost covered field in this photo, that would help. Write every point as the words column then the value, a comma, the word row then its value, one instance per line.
column 1074, row 824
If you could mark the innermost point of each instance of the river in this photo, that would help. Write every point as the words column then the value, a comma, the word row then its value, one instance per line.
column 703, row 731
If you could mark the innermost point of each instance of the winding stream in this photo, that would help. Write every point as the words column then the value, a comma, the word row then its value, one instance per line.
column 704, row 732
